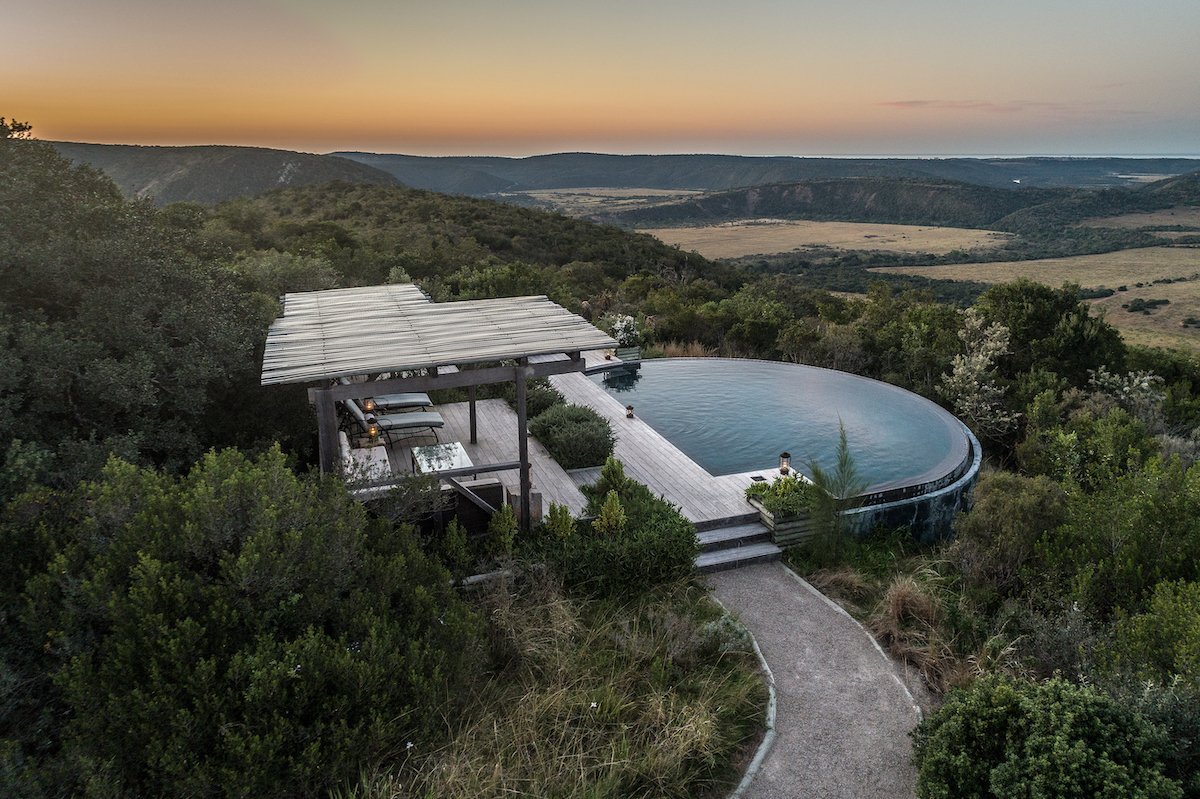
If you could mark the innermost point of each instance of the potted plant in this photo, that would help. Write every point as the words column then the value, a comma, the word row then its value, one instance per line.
column 784, row 507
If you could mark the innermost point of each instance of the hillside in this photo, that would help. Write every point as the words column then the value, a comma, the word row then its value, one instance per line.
column 213, row 173
column 885, row 200
column 489, row 175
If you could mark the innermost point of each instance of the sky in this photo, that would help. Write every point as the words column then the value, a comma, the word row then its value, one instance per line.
column 526, row 77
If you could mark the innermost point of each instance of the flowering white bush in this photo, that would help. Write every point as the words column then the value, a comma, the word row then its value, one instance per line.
column 625, row 330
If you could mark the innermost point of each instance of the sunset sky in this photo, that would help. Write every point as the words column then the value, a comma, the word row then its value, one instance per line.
column 521, row 77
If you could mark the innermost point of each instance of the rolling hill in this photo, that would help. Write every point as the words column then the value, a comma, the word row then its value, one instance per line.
column 210, row 174
column 481, row 176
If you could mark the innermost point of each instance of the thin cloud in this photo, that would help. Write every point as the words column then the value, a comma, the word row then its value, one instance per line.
column 965, row 105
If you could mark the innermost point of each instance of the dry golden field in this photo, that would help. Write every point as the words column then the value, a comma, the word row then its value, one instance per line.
column 771, row 236
column 589, row 201
column 1161, row 327
column 1188, row 216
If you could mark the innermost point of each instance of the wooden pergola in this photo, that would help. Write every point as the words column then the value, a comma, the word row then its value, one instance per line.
column 391, row 339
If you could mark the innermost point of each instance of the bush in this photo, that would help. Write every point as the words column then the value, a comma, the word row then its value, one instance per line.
column 239, row 632
column 576, row 436
column 786, row 496
column 657, row 544
column 1005, row 738
column 998, row 538
column 540, row 397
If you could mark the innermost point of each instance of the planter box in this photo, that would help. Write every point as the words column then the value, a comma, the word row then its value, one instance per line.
column 786, row 531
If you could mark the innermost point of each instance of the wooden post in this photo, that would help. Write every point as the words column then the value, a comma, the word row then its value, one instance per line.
column 327, row 438
column 471, row 396
column 523, row 443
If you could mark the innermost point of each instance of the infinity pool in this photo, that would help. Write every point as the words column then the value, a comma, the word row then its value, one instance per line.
column 733, row 416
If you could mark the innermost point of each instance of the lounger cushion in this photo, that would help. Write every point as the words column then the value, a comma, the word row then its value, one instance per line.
column 389, row 401
column 404, row 421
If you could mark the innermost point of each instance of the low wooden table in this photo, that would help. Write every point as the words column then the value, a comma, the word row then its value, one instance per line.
column 440, row 457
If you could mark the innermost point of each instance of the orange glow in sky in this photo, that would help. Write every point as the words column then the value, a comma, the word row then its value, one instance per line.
column 537, row 76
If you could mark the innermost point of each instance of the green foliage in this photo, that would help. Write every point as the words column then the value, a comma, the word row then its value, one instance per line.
column 1089, row 451
column 455, row 550
column 786, row 495
column 559, row 522
column 119, row 331
column 611, row 520
column 575, row 435
column 996, row 541
column 502, row 529
column 837, row 491
column 540, row 397
column 657, row 696
column 1122, row 539
column 237, row 632
column 658, row 545
column 1003, row 738
column 1162, row 643
column 1051, row 329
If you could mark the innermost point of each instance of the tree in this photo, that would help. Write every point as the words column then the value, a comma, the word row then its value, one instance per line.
column 1050, row 329
column 1004, row 738
column 838, row 491
column 236, row 632
column 971, row 386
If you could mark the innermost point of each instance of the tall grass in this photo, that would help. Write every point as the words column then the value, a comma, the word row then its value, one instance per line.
column 659, row 698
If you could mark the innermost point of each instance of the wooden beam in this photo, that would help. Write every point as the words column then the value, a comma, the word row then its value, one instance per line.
column 459, row 379
column 327, row 438
column 471, row 397
column 469, row 494
column 523, row 442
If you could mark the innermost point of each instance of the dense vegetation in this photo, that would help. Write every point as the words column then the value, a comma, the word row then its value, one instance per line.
column 165, row 587
column 209, row 174
column 188, row 613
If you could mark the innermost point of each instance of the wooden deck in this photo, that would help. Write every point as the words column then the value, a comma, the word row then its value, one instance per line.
column 496, row 428
column 652, row 460
column 648, row 458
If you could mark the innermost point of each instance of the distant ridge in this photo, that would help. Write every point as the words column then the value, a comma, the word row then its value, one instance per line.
column 209, row 174
column 485, row 175
column 927, row 201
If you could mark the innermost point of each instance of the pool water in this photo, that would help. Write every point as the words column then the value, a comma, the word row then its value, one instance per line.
column 733, row 416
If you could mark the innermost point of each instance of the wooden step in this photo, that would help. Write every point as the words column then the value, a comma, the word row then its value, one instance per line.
column 722, row 559
column 734, row 536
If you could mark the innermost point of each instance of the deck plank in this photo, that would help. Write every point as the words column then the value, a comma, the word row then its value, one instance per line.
column 647, row 456
column 651, row 459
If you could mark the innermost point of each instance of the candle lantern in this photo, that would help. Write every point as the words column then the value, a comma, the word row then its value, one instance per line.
column 785, row 462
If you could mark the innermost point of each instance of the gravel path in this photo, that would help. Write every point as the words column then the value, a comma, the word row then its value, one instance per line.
column 843, row 712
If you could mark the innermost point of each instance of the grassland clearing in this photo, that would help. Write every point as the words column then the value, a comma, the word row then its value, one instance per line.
column 1151, row 267
column 771, row 236
column 1181, row 215
column 585, row 202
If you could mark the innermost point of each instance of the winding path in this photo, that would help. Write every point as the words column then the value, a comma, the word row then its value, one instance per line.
column 843, row 712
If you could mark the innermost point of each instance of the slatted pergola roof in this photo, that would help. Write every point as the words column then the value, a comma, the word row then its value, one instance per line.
column 373, row 329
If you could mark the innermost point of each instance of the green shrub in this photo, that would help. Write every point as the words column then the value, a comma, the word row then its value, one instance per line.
column 559, row 523
column 239, row 632
column 658, row 546
column 998, row 538
column 540, row 397
column 787, row 495
column 576, row 436
column 611, row 521
column 502, row 529
column 1005, row 738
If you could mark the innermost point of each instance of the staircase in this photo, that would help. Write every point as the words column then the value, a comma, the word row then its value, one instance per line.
column 729, row 543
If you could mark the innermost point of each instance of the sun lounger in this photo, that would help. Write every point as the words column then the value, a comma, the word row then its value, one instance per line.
column 397, row 402
column 396, row 422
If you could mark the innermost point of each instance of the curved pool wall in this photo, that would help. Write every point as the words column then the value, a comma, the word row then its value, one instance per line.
column 733, row 417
